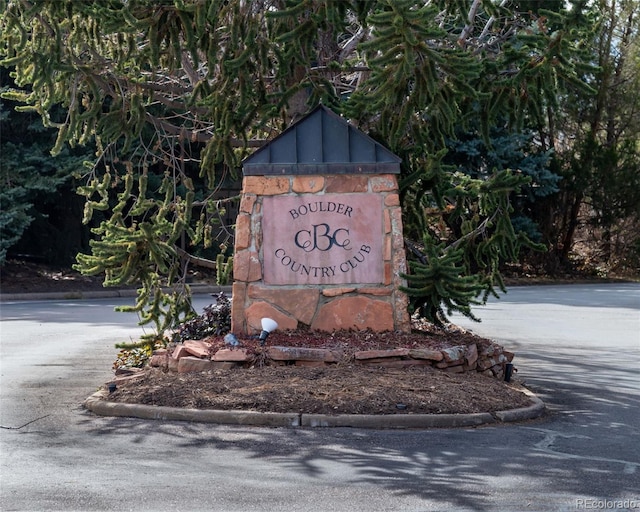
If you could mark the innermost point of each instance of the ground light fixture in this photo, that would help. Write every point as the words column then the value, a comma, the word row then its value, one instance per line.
column 268, row 325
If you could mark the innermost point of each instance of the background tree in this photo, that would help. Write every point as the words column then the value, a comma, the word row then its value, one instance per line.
column 40, row 208
column 176, row 93
column 594, row 139
column 610, row 150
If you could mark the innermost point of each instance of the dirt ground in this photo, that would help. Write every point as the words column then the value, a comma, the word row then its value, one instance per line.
column 347, row 387
column 340, row 389
column 18, row 276
column 344, row 388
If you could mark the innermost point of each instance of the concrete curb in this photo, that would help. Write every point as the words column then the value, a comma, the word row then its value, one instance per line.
column 101, row 294
column 525, row 413
column 98, row 404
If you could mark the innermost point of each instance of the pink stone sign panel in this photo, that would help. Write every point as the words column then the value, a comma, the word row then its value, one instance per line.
column 323, row 239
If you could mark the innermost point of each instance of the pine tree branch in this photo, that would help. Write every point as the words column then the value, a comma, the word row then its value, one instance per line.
column 189, row 70
column 351, row 44
column 353, row 69
column 485, row 32
column 490, row 22
column 468, row 28
column 481, row 229
column 198, row 262
column 204, row 135
column 28, row 5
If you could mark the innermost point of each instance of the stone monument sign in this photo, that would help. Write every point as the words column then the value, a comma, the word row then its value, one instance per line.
column 319, row 239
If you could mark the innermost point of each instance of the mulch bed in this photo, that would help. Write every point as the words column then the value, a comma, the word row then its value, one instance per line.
column 347, row 387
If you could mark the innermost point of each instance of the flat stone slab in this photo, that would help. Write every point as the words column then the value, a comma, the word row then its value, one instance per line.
column 232, row 354
column 303, row 354
column 376, row 354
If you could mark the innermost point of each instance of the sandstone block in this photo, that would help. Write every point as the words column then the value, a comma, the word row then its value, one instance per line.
column 265, row 185
column 197, row 348
column 262, row 309
column 388, row 273
column 482, row 345
column 423, row 353
column 386, row 248
column 299, row 303
column 485, row 362
column 471, row 354
column 179, row 352
column 335, row 292
column 307, row 184
column 299, row 353
column 232, row 354
column 238, row 296
column 374, row 354
column 491, row 350
column 246, row 266
column 400, row 309
column 359, row 313
column 172, row 364
column 384, row 183
column 345, row 183
column 392, row 200
column 470, row 367
column 454, row 353
column 243, row 231
column 247, row 202
column 191, row 364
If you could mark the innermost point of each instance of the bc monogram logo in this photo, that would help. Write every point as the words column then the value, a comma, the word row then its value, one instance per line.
column 321, row 238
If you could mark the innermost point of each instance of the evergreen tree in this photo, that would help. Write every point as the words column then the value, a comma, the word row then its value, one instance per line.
column 595, row 137
column 609, row 152
column 32, row 185
column 472, row 154
column 161, row 84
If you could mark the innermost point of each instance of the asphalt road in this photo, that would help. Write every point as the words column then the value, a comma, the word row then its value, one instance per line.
column 577, row 346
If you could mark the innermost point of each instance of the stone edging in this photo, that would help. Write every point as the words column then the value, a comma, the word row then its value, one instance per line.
column 483, row 356
column 97, row 404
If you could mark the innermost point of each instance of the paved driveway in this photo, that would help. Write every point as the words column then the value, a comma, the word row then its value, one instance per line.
column 577, row 346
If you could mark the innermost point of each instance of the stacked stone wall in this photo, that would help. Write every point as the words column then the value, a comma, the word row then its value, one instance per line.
column 484, row 356
column 379, row 307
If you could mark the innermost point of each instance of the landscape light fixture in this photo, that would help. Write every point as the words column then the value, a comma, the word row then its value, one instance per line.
column 268, row 325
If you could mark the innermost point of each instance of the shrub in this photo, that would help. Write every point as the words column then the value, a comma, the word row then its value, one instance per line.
column 214, row 321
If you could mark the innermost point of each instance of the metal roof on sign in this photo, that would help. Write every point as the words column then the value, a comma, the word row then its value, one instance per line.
column 322, row 142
